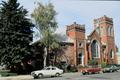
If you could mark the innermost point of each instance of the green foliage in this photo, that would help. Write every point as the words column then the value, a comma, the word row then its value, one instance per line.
column 72, row 68
column 103, row 64
column 92, row 62
column 15, row 32
column 6, row 73
column 44, row 16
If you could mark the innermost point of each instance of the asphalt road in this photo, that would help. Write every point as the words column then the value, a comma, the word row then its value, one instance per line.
column 79, row 76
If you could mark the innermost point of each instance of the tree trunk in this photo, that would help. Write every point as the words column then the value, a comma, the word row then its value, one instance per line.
column 45, row 56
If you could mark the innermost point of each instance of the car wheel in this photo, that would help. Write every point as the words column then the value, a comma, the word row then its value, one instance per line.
column 57, row 74
column 35, row 77
column 98, row 72
column 103, row 71
column 111, row 71
column 40, row 75
column 84, row 73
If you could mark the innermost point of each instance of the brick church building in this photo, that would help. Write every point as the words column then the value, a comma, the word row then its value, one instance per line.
column 99, row 45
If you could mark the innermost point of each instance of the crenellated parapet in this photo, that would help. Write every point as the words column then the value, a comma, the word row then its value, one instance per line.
column 76, row 26
column 103, row 19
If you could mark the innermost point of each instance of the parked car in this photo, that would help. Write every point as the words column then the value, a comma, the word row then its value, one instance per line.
column 110, row 68
column 90, row 70
column 47, row 71
column 118, row 66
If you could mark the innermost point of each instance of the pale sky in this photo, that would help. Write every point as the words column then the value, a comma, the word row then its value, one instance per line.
column 82, row 12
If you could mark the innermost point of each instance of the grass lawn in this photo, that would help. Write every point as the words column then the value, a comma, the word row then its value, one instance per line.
column 6, row 73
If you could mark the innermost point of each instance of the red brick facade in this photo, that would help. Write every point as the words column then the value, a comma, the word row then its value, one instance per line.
column 99, row 45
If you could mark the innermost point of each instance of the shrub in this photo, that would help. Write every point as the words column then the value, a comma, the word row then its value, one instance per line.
column 6, row 73
column 103, row 64
column 92, row 62
column 72, row 68
column 80, row 66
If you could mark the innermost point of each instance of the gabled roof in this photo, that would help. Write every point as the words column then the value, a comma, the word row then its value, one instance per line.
column 92, row 33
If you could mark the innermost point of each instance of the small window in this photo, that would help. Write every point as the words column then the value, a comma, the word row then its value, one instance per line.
column 108, row 31
column 53, row 68
column 80, row 44
column 47, row 68
column 102, row 31
column 98, row 30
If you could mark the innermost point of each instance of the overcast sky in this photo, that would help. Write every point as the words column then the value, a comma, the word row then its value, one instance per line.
column 82, row 12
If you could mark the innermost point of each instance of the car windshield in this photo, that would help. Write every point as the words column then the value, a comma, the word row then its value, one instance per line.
column 48, row 68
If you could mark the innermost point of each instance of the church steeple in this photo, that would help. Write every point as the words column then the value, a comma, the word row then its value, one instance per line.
column 104, row 27
column 77, row 33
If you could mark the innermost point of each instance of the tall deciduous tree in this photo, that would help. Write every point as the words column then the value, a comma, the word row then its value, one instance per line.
column 44, row 16
column 15, row 33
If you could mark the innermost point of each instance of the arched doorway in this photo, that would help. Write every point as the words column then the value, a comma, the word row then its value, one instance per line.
column 95, row 49
column 81, row 58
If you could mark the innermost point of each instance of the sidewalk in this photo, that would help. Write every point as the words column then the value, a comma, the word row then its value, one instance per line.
column 20, row 77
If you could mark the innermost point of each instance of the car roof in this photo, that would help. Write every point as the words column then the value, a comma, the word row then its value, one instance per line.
column 50, row 67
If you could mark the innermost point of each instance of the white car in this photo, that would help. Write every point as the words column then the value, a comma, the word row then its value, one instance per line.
column 47, row 71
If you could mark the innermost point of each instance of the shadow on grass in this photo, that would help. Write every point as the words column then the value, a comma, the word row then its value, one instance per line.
column 6, row 73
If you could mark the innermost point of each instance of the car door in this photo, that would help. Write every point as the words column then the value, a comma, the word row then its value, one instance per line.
column 47, row 71
column 53, row 71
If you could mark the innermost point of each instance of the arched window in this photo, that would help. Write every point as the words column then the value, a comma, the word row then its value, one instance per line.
column 98, row 30
column 95, row 49
column 111, row 31
column 102, row 31
column 111, row 54
column 80, row 58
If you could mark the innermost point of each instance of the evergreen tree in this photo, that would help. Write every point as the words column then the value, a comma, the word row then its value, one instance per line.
column 15, row 33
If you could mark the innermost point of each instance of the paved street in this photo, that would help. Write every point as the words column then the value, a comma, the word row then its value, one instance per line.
column 70, row 76
column 79, row 76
